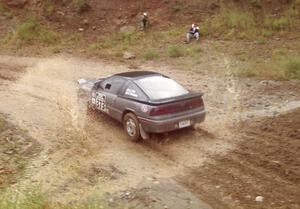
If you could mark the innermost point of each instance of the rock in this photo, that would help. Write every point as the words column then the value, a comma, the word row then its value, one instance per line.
column 259, row 199
column 80, row 29
column 248, row 196
column 94, row 27
column 127, row 29
column 128, row 55
column 86, row 21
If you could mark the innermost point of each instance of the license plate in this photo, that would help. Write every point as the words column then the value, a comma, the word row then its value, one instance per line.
column 184, row 123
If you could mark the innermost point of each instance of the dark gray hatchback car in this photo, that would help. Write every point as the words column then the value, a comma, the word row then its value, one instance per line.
column 145, row 102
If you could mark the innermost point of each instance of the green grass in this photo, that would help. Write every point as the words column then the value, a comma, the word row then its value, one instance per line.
column 2, row 125
column 230, row 19
column 284, row 68
column 151, row 54
column 176, row 51
column 30, row 32
column 292, row 68
column 34, row 198
column 80, row 5
column 48, row 8
column 279, row 24
column 257, row 3
column 4, row 10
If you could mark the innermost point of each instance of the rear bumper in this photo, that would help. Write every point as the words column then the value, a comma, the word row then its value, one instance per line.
column 160, row 126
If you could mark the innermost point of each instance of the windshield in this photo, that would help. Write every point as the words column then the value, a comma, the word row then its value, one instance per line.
column 159, row 87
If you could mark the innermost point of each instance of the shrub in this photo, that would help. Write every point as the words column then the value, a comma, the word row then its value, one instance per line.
column 175, row 51
column 267, row 33
column 81, row 5
column 257, row 3
column 228, row 22
column 282, row 69
column 234, row 19
column 151, row 54
column 278, row 24
column 292, row 68
column 31, row 31
column 5, row 10
column 34, row 198
column 49, row 8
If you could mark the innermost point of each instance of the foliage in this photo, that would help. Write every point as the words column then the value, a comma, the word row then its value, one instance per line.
column 49, row 8
column 278, row 24
column 32, row 31
column 292, row 68
column 151, row 54
column 34, row 198
column 80, row 5
column 281, row 69
column 175, row 51
column 4, row 10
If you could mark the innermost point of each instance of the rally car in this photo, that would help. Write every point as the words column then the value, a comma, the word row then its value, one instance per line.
column 145, row 102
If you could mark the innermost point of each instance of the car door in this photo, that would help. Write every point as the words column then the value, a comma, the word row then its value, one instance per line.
column 98, row 97
column 111, row 88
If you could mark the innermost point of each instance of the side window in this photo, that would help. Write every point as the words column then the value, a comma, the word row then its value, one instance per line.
column 133, row 91
column 112, row 85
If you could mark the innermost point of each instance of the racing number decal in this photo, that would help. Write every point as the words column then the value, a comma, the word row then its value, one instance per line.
column 100, row 102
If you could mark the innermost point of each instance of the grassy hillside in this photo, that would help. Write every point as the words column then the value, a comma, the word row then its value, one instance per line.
column 107, row 29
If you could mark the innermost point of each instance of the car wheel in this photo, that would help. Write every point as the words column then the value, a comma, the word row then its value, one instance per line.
column 131, row 126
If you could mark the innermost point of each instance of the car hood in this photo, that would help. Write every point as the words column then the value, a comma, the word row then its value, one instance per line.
column 86, row 85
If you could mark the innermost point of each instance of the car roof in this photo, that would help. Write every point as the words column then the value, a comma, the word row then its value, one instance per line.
column 137, row 74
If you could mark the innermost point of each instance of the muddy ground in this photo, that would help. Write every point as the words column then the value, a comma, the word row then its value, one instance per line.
column 248, row 146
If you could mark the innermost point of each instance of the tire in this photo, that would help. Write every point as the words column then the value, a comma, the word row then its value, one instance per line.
column 131, row 126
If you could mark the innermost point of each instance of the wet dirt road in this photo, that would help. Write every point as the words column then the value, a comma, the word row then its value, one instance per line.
column 86, row 156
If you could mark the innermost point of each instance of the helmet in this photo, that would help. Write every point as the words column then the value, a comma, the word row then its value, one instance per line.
column 197, row 27
column 145, row 13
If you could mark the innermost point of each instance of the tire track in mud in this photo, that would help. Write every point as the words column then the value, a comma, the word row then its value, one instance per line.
column 266, row 162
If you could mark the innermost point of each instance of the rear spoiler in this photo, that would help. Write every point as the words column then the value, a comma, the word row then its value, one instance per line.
column 166, row 101
column 189, row 96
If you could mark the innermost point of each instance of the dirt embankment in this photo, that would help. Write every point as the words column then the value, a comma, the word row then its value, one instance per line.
column 265, row 163
column 17, row 148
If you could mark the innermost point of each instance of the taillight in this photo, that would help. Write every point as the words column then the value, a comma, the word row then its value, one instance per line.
column 164, row 110
column 181, row 106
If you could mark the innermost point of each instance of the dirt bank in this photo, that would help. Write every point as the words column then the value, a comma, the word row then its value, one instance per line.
column 265, row 163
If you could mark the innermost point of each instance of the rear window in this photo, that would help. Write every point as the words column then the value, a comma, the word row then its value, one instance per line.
column 159, row 87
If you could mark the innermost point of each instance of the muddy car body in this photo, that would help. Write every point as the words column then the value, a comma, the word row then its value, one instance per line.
column 145, row 102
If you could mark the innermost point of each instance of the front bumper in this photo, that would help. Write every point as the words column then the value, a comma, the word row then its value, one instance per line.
column 166, row 125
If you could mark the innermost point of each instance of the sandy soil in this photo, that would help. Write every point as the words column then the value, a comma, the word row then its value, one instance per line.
column 211, row 167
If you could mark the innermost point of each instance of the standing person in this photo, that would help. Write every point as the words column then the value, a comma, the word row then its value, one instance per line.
column 145, row 21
